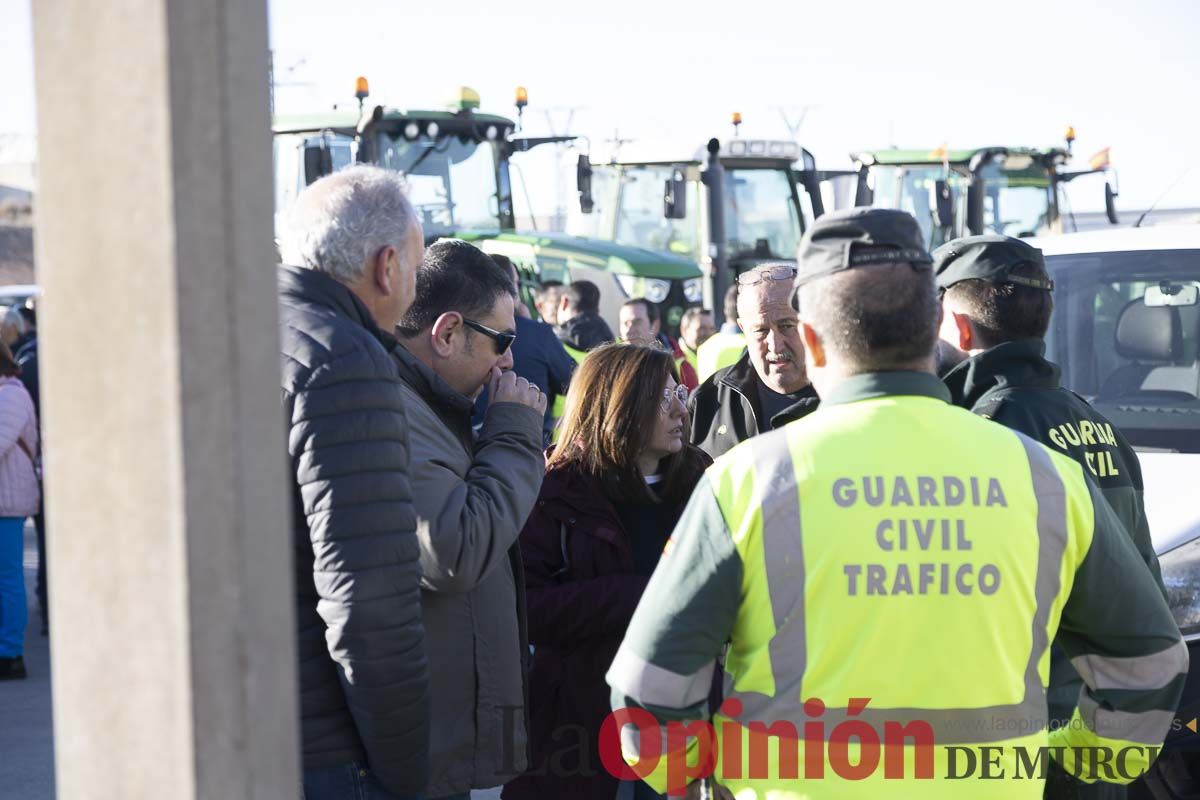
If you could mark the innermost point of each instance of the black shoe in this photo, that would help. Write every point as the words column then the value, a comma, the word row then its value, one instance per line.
column 12, row 669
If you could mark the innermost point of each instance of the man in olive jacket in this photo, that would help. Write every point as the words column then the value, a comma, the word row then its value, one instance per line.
column 472, row 497
column 997, row 301
column 356, row 244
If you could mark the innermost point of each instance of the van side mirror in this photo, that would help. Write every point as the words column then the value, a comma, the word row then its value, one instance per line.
column 675, row 197
column 583, row 182
column 318, row 160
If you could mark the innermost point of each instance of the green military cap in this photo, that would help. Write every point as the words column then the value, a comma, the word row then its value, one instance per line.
column 989, row 258
column 857, row 237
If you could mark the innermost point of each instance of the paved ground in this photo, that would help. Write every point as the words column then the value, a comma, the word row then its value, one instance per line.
column 26, row 731
column 26, row 728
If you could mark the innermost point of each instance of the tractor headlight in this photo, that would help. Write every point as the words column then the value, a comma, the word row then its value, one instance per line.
column 653, row 289
column 1181, row 577
column 693, row 290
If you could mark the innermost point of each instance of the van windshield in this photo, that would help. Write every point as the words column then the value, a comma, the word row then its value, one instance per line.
column 1126, row 332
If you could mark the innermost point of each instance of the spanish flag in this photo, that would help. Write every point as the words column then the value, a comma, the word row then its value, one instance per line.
column 1101, row 160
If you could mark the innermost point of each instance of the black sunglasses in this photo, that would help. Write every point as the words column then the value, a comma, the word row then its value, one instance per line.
column 502, row 341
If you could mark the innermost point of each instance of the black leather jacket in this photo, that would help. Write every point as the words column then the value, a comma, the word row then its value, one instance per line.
column 724, row 409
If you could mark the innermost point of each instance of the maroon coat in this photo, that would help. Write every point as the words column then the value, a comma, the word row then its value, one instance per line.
column 577, row 619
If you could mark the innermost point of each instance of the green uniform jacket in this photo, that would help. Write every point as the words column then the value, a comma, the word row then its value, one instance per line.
column 1015, row 385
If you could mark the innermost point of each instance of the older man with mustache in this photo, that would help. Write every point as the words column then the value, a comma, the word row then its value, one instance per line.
column 767, row 387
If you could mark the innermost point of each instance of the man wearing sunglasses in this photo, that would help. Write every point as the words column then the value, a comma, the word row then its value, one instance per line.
column 768, row 386
column 538, row 357
column 472, row 495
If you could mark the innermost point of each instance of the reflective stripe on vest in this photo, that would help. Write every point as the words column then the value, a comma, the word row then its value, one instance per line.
column 776, row 494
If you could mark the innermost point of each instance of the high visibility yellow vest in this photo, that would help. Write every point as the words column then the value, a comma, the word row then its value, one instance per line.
column 717, row 352
column 690, row 356
column 560, row 401
column 903, row 569
column 906, row 552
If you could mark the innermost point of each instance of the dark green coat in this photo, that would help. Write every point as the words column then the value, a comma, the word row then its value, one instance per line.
column 1015, row 385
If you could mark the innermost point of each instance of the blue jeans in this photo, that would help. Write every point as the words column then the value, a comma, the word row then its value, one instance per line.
column 12, row 586
column 347, row 782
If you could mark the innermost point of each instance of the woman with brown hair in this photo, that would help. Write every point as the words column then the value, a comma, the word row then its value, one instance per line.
column 18, row 500
column 614, row 489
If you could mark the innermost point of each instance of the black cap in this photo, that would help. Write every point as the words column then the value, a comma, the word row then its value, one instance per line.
column 857, row 237
column 989, row 258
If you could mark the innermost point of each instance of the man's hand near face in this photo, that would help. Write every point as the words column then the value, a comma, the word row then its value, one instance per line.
column 507, row 387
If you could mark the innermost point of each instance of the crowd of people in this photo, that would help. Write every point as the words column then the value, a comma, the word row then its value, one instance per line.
column 508, row 527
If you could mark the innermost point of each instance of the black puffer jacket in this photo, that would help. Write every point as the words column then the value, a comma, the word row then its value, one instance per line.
column 363, row 673
column 585, row 331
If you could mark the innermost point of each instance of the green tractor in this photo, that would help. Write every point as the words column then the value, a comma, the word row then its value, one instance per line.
column 725, row 207
column 1015, row 191
column 456, row 163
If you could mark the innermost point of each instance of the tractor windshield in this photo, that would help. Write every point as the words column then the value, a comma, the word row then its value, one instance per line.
column 914, row 188
column 640, row 219
column 1017, row 202
column 452, row 180
column 761, row 215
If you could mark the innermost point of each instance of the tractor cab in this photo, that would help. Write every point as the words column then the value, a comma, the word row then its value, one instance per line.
column 952, row 193
column 725, row 207
column 456, row 164
column 659, row 202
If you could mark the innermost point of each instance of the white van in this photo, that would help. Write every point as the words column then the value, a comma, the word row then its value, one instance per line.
column 1126, row 332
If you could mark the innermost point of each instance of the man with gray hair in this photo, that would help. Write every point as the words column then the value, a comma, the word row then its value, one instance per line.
column 766, row 387
column 351, row 251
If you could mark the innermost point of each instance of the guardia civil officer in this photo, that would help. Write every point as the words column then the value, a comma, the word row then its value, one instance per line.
column 997, row 299
column 893, row 563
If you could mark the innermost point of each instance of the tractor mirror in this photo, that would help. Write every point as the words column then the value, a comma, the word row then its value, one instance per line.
column 675, row 197
column 318, row 160
column 944, row 203
column 583, row 182
column 864, row 195
column 1110, row 203
column 975, row 195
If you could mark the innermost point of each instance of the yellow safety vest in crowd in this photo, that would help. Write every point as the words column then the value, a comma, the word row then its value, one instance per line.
column 560, row 401
column 717, row 352
column 690, row 356
column 887, row 567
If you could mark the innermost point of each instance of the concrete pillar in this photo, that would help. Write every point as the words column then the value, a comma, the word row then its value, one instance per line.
column 171, row 578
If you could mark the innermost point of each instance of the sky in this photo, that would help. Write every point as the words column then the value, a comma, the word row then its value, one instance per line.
column 866, row 75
